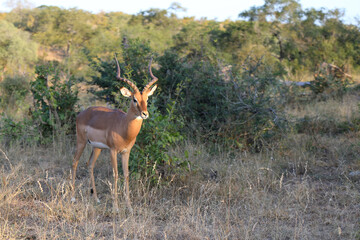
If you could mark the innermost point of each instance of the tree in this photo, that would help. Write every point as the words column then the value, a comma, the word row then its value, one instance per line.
column 136, row 55
column 17, row 50
column 282, row 11
column 194, row 41
column 54, row 101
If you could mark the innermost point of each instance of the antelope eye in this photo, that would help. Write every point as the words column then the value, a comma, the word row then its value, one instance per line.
column 134, row 99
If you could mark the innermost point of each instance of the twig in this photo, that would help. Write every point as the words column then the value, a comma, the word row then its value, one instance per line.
column 11, row 166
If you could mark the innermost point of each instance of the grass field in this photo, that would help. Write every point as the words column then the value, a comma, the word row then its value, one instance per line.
column 299, row 188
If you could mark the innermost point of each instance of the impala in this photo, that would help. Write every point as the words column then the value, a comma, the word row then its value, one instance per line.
column 113, row 129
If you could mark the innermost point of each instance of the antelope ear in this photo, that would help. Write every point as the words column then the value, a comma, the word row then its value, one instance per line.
column 125, row 92
column 152, row 90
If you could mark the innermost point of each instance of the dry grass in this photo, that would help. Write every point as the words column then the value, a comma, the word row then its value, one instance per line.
column 292, row 195
column 299, row 189
column 344, row 109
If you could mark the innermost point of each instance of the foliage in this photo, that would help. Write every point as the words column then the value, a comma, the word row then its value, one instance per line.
column 136, row 54
column 14, row 91
column 158, row 134
column 54, row 101
column 17, row 50
column 53, row 110
column 279, row 29
column 329, row 83
column 298, row 38
column 201, row 99
column 220, row 98
column 240, row 106
column 22, row 131
column 106, row 80
column 254, row 103
column 158, row 17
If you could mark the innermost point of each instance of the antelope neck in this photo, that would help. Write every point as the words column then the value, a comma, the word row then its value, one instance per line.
column 132, row 124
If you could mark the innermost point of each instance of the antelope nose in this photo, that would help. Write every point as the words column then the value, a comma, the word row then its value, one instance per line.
column 144, row 114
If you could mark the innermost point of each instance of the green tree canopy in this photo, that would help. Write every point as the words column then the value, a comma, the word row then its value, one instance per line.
column 17, row 50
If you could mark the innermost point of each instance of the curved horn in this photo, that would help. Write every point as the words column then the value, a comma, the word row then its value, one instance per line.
column 154, row 79
column 132, row 85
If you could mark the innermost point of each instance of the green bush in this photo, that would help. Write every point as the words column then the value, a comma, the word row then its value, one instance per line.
column 14, row 91
column 22, row 131
column 158, row 134
column 136, row 56
column 254, row 104
column 329, row 84
column 241, row 106
column 238, row 105
column 54, row 101
column 52, row 113
column 201, row 100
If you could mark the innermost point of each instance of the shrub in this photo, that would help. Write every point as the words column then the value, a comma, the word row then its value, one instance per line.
column 136, row 56
column 53, row 111
column 329, row 83
column 157, row 136
column 254, row 105
column 241, row 106
column 22, row 131
column 201, row 99
column 54, row 101
column 14, row 91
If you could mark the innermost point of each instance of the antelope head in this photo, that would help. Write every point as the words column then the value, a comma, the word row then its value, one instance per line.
column 138, row 99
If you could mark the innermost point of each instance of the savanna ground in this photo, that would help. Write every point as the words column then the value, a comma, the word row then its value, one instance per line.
column 299, row 188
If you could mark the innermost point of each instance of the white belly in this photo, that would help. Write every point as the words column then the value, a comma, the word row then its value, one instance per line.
column 99, row 135
column 98, row 144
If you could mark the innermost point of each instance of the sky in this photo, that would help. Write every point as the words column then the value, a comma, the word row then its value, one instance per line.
column 211, row 9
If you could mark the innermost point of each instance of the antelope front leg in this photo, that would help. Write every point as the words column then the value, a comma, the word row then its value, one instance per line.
column 125, row 167
column 113, row 155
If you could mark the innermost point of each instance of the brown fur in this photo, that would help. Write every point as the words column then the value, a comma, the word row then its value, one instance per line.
column 111, row 128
